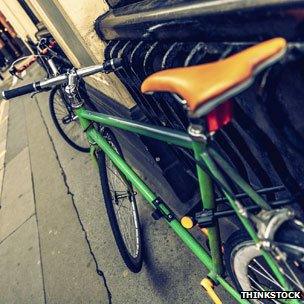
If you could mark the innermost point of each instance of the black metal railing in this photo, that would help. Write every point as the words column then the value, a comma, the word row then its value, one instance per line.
column 259, row 142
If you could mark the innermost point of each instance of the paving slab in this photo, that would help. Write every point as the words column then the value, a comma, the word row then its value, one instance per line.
column 21, row 277
column 16, row 135
column 17, row 203
column 3, row 130
column 2, row 152
column 5, row 108
column 1, row 182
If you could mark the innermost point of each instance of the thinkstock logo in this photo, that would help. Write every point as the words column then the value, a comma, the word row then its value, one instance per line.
column 288, row 295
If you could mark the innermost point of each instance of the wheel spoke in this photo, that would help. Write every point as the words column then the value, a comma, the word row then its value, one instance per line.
column 124, row 206
column 72, row 130
column 116, row 174
column 251, row 270
column 266, row 272
column 296, row 280
column 261, row 288
column 127, row 235
column 265, row 277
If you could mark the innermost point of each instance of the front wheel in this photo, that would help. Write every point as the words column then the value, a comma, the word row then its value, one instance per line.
column 66, row 122
column 248, row 269
column 119, row 198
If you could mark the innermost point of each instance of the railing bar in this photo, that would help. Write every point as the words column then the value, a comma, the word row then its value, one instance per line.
column 261, row 191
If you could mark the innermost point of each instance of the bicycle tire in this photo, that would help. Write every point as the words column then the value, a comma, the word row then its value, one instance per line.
column 61, row 131
column 134, row 263
column 240, row 251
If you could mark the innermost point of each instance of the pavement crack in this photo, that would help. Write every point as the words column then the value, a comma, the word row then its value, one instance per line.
column 16, row 229
column 69, row 192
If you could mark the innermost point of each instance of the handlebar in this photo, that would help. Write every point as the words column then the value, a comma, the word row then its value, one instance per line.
column 29, row 88
column 45, row 85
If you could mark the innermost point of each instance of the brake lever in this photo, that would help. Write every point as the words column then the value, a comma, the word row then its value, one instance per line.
column 33, row 94
column 15, row 74
column 19, row 77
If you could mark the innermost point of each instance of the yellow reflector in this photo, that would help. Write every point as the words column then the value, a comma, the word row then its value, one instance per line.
column 187, row 222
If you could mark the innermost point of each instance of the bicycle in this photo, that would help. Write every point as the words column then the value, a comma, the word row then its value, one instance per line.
column 267, row 254
column 62, row 114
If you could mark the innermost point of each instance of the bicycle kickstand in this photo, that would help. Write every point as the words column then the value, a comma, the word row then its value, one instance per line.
column 207, row 284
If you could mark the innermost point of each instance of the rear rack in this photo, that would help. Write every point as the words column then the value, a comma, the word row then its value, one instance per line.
column 260, row 191
column 206, row 218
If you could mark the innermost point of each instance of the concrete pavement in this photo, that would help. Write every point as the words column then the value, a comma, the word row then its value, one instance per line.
column 56, row 245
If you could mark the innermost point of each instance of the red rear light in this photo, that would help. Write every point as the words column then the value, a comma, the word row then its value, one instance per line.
column 220, row 116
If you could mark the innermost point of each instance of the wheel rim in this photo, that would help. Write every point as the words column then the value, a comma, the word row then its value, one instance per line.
column 69, row 123
column 124, row 204
column 253, row 274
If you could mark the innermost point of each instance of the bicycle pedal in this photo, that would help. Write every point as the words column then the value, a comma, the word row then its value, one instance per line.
column 209, row 287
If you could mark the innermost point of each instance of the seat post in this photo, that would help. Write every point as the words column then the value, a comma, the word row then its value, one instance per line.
column 197, row 132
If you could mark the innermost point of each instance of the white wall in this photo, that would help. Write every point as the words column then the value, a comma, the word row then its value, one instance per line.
column 18, row 18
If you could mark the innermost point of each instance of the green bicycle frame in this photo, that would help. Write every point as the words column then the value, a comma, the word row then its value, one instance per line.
column 212, row 160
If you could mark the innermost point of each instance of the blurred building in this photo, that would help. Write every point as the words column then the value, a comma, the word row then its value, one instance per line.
column 16, row 28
